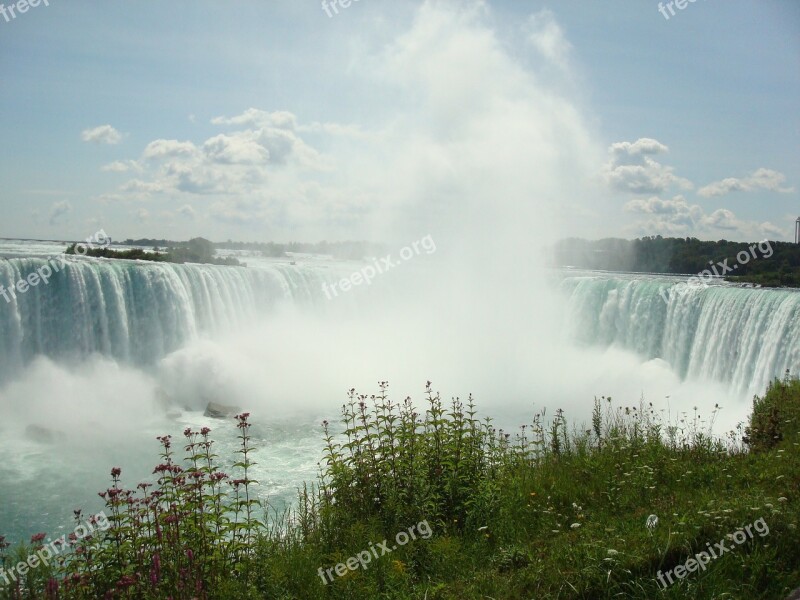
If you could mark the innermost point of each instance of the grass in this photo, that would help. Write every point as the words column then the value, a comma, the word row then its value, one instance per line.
column 550, row 511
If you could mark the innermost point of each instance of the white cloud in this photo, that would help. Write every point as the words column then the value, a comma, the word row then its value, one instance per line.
column 104, row 134
column 639, row 147
column 255, row 118
column 546, row 35
column 631, row 168
column 673, row 216
column 762, row 179
column 235, row 149
column 158, row 149
column 455, row 150
column 122, row 166
column 677, row 217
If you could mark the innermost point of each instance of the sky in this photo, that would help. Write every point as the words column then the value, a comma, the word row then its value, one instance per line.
column 295, row 120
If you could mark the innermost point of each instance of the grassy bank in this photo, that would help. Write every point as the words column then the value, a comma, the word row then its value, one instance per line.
column 549, row 511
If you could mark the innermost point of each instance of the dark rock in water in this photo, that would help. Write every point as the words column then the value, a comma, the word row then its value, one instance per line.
column 43, row 435
column 216, row 410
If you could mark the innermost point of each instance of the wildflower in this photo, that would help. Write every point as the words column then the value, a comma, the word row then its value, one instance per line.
column 575, row 525
column 37, row 538
column 52, row 587
column 782, row 499
column 116, row 472
column 126, row 581
column 652, row 522
column 612, row 552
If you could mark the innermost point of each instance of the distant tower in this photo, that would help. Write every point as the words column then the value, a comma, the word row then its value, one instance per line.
column 797, row 231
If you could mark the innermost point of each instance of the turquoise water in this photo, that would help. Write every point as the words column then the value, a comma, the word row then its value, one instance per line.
column 109, row 354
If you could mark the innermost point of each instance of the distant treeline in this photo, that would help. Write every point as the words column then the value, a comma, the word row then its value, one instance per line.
column 777, row 263
column 343, row 250
column 197, row 250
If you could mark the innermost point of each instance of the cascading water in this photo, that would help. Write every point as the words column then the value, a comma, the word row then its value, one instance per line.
column 165, row 328
column 744, row 337
column 137, row 312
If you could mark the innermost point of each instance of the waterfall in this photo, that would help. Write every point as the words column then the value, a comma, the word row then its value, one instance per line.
column 137, row 312
column 742, row 336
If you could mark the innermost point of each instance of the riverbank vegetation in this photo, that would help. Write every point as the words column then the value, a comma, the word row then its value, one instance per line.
column 196, row 250
column 773, row 264
column 552, row 510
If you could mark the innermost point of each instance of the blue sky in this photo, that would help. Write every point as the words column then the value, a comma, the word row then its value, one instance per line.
column 272, row 121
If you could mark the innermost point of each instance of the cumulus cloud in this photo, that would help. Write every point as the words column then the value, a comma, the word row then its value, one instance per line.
column 256, row 118
column 236, row 149
column 59, row 211
column 675, row 216
column 640, row 147
column 104, row 134
column 443, row 145
column 258, row 147
column 159, row 149
column 632, row 168
column 122, row 166
column 679, row 218
column 142, row 187
column 762, row 179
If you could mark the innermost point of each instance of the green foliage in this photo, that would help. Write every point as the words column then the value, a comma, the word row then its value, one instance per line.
column 546, row 513
column 775, row 417
column 398, row 466
column 778, row 266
